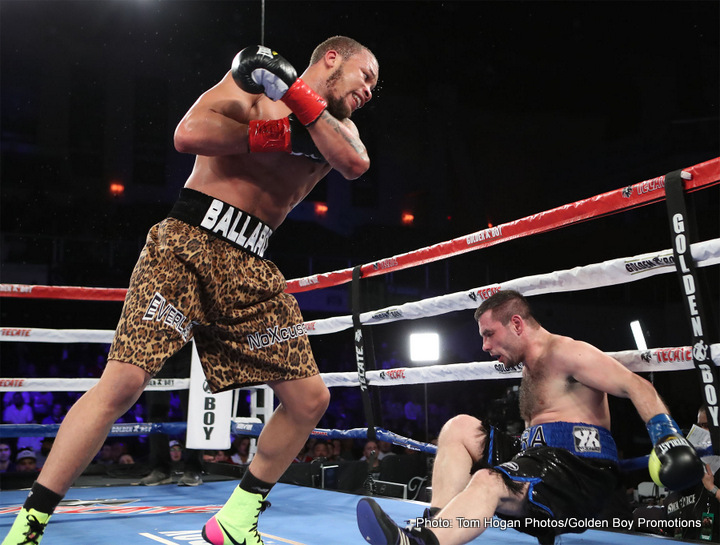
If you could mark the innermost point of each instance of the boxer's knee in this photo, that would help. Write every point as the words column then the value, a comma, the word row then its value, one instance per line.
column 120, row 386
column 498, row 485
column 463, row 429
column 487, row 479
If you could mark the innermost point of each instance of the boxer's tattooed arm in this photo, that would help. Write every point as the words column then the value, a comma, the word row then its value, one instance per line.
column 347, row 130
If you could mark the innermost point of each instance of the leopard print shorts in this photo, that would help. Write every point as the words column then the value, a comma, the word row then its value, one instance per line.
column 188, row 284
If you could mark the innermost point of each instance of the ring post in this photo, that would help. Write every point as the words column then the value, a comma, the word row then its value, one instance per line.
column 680, row 224
column 363, row 353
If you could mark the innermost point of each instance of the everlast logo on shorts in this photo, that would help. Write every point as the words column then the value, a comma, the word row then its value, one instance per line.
column 237, row 227
column 510, row 466
column 162, row 311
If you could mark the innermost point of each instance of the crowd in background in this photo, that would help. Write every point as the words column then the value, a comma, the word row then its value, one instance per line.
column 400, row 409
column 405, row 410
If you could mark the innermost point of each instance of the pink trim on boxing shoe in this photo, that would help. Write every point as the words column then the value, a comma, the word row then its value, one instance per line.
column 213, row 533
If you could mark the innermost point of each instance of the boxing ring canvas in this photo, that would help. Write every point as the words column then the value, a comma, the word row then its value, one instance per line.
column 172, row 515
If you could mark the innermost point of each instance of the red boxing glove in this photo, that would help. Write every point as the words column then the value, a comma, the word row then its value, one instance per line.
column 305, row 103
column 269, row 135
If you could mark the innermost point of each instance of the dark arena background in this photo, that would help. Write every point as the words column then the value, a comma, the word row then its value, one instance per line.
column 485, row 112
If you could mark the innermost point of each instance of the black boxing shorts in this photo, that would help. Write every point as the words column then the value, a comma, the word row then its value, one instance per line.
column 571, row 472
column 201, row 275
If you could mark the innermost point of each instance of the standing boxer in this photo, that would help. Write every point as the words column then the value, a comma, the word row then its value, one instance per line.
column 564, row 467
column 263, row 138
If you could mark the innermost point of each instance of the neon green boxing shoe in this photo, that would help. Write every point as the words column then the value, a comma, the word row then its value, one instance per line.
column 236, row 523
column 28, row 528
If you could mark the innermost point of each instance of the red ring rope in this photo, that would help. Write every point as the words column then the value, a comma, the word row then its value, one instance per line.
column 701, row 176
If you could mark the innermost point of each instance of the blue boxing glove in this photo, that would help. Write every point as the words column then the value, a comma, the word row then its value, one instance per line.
column 673, row 462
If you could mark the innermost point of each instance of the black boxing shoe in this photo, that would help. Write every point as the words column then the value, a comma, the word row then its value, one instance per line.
column 377, row 528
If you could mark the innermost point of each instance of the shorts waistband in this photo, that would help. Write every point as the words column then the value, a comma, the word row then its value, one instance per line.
column 583, row 440
column 229, row 223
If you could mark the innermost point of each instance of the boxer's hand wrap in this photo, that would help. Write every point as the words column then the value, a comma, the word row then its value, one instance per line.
column 660, row 426
column 258, row 69
column 673, row 463
column 302, row 142
column 305, row 103
column 282, row 135
column 268, row 136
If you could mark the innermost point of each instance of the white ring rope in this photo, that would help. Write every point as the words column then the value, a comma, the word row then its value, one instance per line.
column 81, row 384
column 645, row 361
column 607, row 273
column 656, row 359
column 42, row 335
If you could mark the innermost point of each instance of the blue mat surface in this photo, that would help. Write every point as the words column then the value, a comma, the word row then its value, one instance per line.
column 172, row 515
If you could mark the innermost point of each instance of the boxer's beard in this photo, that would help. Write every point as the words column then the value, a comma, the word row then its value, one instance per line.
column 337, row 106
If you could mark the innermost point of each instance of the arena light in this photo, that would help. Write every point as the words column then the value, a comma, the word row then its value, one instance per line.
column 424, row 347
column 117, row 189
column 321, row 209
column 407, row 218
column 637, row 332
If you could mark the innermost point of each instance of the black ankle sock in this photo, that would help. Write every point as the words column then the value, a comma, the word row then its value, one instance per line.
column 42, row 499
column 433, row 511
column 252, row 484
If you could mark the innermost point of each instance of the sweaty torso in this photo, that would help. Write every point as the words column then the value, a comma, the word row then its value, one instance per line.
column 266, row 185
column 551, row 395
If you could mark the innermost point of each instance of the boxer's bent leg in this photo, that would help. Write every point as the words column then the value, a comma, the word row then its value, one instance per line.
column 486, row 493
column 88, row 423
column 460, row 445
column 302, row 404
